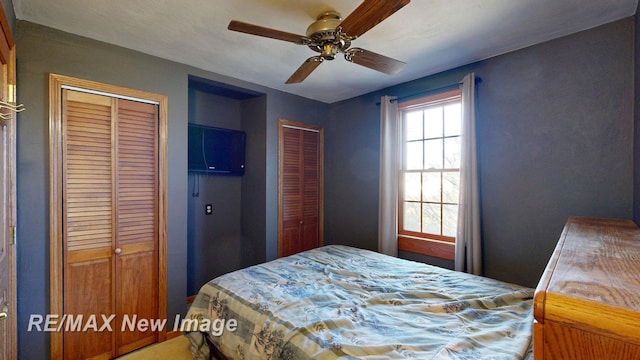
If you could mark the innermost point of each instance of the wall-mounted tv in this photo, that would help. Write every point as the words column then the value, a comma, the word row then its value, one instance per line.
column 216, row 151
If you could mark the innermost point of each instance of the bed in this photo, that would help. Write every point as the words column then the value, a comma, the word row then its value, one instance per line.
column 339, row 302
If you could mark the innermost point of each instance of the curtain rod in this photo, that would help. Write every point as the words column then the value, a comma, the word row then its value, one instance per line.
column 430, row 91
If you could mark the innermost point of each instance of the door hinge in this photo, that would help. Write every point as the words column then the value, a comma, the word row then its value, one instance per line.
column 12, row 241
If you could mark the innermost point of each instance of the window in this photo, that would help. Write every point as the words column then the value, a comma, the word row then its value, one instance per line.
column 430, row 174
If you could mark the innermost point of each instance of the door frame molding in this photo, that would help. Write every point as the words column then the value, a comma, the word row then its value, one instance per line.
column 56, row 84
column 8, row 62
column 283, row 123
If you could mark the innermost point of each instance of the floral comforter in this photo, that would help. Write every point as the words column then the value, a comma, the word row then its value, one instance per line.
column 338, row 302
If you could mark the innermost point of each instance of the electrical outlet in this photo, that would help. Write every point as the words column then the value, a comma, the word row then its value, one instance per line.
column 208, row 209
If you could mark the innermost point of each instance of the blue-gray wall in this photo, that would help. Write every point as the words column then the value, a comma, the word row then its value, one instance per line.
column 554, row 127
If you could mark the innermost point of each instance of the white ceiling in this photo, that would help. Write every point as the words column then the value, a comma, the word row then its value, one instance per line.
column 429, row 35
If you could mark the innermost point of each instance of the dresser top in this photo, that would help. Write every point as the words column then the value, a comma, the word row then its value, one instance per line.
column 593, row 277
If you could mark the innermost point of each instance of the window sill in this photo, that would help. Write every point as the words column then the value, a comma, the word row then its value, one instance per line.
column 440, row 249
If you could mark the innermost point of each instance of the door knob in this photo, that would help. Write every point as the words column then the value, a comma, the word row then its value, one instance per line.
column 117, row 251
column 5, row 311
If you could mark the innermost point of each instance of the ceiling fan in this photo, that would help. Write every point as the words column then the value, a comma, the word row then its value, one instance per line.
column 330, row 35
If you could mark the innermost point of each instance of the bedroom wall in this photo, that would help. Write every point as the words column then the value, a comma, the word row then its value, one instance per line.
column 42, row 50
column 554, row 127
column 254, row 203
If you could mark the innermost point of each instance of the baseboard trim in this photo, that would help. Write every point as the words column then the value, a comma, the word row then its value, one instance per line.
column 173, row 334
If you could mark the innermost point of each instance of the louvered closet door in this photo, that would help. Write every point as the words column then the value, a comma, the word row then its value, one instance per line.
column 110, row 220
column 88, row 220
column 136, row 204
column 300, row 189
column 310, row 145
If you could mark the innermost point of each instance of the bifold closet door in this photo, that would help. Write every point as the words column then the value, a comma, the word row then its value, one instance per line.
column 300, row 188
column 110, row 221
column 88, row 219
column 137, row 225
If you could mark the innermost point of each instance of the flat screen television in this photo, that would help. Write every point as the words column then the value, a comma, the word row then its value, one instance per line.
column 216, row 151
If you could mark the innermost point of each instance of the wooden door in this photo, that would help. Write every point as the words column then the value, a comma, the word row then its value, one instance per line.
column 88, row 215
column 5, row 333
column 110, row 158
column 8, row 299
column 137, row 222
column 300, row 187
column 7, row 248
column 110, row 239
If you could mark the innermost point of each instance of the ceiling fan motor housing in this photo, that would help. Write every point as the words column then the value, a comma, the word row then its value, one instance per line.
column 324, row 39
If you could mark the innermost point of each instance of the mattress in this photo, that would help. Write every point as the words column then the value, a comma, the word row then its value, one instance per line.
column 339, row 302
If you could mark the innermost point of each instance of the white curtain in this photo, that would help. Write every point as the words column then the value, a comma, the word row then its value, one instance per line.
column 389, row 167
column 468, row 253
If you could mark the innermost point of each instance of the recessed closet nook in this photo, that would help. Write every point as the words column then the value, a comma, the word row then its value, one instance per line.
column 218, row 242
column 232, row 236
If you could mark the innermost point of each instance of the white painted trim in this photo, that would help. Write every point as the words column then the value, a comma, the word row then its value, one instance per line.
column 300, row 128
column 119, row 96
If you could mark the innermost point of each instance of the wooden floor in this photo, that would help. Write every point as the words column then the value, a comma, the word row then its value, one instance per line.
column 174, row 349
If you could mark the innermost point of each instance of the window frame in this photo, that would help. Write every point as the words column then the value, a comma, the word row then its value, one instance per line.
column 435, row 245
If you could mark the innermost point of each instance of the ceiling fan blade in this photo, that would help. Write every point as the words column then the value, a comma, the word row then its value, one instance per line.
column 374, row 61
column 369, row 14
column 305, row 69
column 267, row 32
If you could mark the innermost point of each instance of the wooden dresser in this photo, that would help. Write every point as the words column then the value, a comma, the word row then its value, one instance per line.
column 587, row 304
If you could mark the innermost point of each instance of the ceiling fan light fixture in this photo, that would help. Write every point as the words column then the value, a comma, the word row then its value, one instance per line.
column 329, row 51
